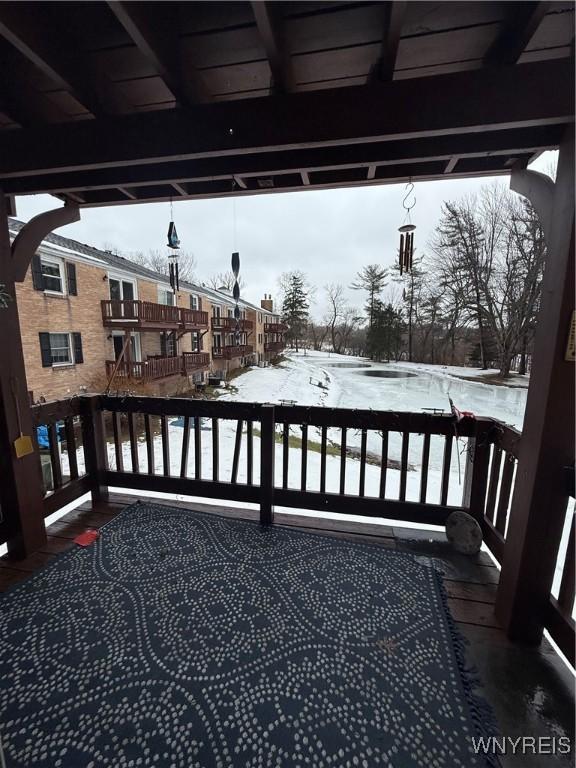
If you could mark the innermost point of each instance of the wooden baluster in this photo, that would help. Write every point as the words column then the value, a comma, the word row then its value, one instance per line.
column 404, row 465
column 425, row 463
column 304, row 464
column 197, row 448
column 117, row 430
column 215, row 451
column 323, row 460
column 95, row 452
column 267, row 457
column 383, row 465
column 71, row 447
column 493, row 484
column 133, row 443
column 165, row 445
column 446, row 470
column 285, row 454
column 249, row 452
column 343, row 462
column 54, row 456
column 149, row 445
column 185, row 447
column 237, row 446
column 505, row 492
column 568, row 582
column 363, row 442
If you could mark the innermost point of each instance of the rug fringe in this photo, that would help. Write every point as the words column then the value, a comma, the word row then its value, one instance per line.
column 481, row 711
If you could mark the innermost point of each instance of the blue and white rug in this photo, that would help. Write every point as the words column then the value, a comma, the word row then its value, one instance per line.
column 187, row 640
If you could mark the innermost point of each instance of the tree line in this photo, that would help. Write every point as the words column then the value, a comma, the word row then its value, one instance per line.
column 471, row 299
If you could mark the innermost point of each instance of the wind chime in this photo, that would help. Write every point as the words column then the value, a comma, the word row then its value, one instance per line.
column 235, row 264
column 173, row 255
column 407, row 231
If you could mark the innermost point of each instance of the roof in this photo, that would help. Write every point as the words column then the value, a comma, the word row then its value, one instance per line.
column 75, row 247
column 120, row 103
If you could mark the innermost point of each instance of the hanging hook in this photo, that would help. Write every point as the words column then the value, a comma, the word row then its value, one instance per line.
column 409, row 189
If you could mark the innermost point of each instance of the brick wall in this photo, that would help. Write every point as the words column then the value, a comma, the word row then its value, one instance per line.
column 42, row 312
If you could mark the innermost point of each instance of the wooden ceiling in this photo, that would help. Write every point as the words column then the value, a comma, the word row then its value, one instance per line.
column 121, row 102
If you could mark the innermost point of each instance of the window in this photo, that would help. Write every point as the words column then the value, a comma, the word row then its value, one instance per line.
column 194, row 302
column 52, row 275
column 60, row 349
column 259, row 317
column 121, row 290
column 166, row 296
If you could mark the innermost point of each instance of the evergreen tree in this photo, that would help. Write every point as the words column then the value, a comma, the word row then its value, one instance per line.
column 295, row 305
column 384, row 337
column 371, row 278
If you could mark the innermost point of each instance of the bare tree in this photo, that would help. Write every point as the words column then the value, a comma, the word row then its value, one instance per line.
column 336, row 308
column 158, row 262
column 224, row 280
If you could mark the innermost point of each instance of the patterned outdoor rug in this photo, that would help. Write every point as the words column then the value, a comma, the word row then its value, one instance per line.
column 186, row 640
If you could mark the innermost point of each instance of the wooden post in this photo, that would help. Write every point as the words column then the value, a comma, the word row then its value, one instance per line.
column 95, row 453
column 21, row 485
column 540, row 495
column 476, row 470
column 267, row 454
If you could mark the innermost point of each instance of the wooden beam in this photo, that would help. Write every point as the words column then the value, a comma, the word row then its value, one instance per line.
column 28, row 240
column 180, row 188
column 522, row 22
column 539, row 189
column 38, row 43
column 271, row 35
column 305, row 178
column 541, row 496
column 394, row 13
column 371, row 172
column 464, row 103
column 523, row 141
column 21, row 492
column 451, row 164
column 129, row 193
column 154, row 31
column 239, row 181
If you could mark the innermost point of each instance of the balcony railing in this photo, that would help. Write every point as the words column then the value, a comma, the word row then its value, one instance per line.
column 488, row 448
column 274, row 346
column 231, row 351
column 146, row 315
column 147, row 370
column 195, row 361
column 275, row 327
column 191, row 319
column 228, row 324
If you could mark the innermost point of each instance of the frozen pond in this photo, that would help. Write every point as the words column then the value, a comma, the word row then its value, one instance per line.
column 378, row 374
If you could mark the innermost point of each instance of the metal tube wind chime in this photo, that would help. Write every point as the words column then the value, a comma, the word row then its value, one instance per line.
column 236, row 295
column 407, row 232
column 173, row 255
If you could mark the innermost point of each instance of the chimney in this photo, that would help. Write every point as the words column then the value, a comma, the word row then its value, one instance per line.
column 267, row 303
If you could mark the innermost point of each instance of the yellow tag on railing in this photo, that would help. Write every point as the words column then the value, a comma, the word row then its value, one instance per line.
column 23, row 446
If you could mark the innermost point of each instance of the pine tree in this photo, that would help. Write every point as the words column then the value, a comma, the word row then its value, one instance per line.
column 384, row 337
column 295, row 305
column 371, row 278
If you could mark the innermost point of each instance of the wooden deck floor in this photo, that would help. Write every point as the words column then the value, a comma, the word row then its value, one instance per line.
column 531, row 690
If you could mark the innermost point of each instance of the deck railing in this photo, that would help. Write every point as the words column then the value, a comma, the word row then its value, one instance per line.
column 193, row 318
column 194, row 361
column 228, row 324
column 275, row 327
column 413, row 467
column 274, row 346
column 231, row 351
column 117, row 312
column 146, row 370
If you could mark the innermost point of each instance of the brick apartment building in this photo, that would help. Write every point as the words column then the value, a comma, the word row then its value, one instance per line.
column 88, row 315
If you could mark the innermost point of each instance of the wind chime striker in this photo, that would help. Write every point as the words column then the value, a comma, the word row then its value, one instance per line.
column 173, row 255
column 407, row 231
column 236, row 294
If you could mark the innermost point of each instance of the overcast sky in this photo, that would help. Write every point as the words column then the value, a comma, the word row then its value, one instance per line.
column 328, row 234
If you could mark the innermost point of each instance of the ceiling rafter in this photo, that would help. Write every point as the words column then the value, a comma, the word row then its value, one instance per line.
column 394, row 13
column 523, row 20
column 451, row 164
column 39, row 44
column 154, row 34
column 271, row 33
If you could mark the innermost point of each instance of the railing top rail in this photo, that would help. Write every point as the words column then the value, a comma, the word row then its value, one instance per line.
column 179, row 406
column 56, row 410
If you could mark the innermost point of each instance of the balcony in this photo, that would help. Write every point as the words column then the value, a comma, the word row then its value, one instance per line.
column 149, row 370
column 231, row 351
column 193, row 319
column 275, row 327
column 228, row 324
column 274, row 346
column 149, row 316
column 195, row 361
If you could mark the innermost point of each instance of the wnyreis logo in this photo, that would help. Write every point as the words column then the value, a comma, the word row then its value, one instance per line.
column 522, row 745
